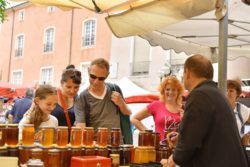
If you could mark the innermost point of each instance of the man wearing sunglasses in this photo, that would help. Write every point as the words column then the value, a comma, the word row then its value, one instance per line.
column 101, row 104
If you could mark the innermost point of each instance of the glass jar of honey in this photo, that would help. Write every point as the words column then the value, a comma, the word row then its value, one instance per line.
column 149, row 136
column 102, row 137
column 102, row 152
column 65, row 157
column 28, row 134
column 90, row 151
column 36, row 153
column 47, row 138
column 76, row 151
column 144, row 155
column 12, row 135
column 115, row 137
column 162, row 153
column 3, row 151
column 62, row 136
column 88, row 137
column 156, row 138
column 53, row 158
column 115, row 160
column 13, row 151
column 76, row 137
column 126, row 154
column 2, row 134
column 24, row 154
column 143, row 139
column 113, row 150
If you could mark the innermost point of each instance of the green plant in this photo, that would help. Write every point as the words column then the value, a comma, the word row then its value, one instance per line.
column 3, row 5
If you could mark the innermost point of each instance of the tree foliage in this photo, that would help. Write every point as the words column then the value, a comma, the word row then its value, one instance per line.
column 3, row 5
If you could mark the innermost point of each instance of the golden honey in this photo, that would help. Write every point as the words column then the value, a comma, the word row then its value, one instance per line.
column 62, row 136
column 12, row 135
column 76, row 137
column 102, row 137
column 28, row 135
column 47, row 138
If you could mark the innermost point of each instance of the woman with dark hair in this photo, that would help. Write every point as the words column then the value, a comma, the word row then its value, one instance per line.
column 70, row 84
column 242, row 112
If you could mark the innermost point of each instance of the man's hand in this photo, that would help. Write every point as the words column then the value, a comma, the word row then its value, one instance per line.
column 171, row 162
column 172, row 139
column 246, row 139
column 116, row 98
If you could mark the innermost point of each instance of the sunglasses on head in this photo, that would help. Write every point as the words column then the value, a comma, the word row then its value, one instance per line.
column 95, row 77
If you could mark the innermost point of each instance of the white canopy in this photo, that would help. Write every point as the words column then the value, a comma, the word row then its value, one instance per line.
column 201, row 34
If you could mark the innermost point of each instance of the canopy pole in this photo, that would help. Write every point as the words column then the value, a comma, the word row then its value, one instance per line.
column 222, row 60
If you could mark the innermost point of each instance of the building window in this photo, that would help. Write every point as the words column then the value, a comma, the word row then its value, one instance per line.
column 21, row 15
column 141, row 57
column 49, row 40
column 84, row 70
column 46, row 76
column 19, row 45
column 51, row 9
column 89, row 33
column 17, row 77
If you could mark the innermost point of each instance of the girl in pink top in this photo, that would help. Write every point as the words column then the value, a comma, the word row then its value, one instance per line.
column 167, row 111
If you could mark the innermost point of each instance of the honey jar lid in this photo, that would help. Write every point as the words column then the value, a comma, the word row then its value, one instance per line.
column 116, row 129
column 47, row 127
column 88, row 127
column 102, row 128
column 127, row 146
column 15, row 125
column 28, row 147
column 76, row 127
column 53, row 150
column 2, row 124
column 29, row 125
column 63, row 127
column 114, row 155
column 3, row 148
column 36, row 150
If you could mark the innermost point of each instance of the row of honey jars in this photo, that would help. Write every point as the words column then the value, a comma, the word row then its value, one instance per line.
column 86, row 137
column 8, row 134
column 149, row 138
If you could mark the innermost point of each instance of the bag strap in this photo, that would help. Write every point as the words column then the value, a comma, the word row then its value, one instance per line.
column 238, row 108
column 64, row 108
column 87, row 109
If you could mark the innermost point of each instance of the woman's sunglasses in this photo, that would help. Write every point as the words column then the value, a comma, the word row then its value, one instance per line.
column 95, row 77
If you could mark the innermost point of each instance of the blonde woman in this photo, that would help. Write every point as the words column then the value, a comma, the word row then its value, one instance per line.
column 167, row 111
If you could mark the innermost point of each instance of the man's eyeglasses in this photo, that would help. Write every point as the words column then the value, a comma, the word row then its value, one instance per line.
column 95, row 77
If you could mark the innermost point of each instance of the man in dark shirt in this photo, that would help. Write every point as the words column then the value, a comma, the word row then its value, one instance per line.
column 208, row 135
column 21, row 106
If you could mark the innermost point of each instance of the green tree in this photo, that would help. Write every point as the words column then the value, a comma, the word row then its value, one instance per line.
column 3, row 5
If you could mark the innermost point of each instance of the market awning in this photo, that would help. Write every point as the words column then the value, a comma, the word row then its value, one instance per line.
column 137, row 17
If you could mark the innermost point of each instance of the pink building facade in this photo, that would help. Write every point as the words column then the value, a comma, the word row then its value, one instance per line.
column 37, row 43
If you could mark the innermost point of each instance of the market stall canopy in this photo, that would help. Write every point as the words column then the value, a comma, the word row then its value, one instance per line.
column 201, row 34
column 11, row 91
column 137, row 17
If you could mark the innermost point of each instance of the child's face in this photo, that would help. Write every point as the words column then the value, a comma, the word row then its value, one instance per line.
column 48, row 104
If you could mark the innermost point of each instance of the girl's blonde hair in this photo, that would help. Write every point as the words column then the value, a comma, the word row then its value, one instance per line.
column 174, row 82
column 36, row 116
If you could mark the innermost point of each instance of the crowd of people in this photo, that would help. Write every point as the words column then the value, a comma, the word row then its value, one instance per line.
column 208, row 130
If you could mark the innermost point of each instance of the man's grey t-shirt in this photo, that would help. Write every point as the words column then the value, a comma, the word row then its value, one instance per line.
column 103, row 112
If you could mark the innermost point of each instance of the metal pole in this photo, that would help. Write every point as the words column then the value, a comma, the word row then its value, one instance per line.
column 222, row 62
